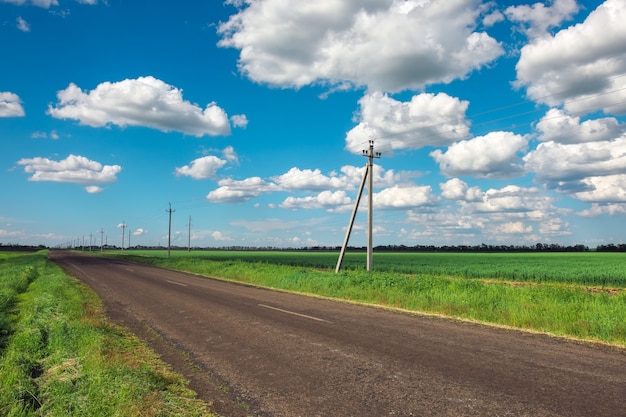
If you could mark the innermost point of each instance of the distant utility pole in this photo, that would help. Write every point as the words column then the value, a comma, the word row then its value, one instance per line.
column 169, row 232
column 123, row 233
column 101, row 239
column 369, row 171
column 90, row 241
column 128, row 238
column 189, row 238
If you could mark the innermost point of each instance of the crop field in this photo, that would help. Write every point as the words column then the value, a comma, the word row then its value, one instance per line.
column 597, row 269
column 576, row 295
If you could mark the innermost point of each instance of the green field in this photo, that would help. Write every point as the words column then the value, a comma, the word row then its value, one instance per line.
column 601, row 269
column 59, row 356
column 577, row 295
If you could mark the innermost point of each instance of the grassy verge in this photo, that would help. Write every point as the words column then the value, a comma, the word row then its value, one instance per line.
column 553, row 307
column 61, row 357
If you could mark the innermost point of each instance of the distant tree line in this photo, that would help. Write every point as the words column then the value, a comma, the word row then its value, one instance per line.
column 21, row 248
column 538, row 247
column 611, row 248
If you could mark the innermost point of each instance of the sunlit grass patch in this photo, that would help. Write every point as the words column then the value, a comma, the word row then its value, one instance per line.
column 63, row 358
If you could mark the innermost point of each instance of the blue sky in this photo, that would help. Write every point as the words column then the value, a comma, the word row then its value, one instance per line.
column 498, row 122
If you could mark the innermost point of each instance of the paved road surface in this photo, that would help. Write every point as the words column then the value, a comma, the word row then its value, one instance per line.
column 266, row 353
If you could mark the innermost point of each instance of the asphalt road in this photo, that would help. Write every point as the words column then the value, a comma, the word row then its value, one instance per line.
column 265, row 353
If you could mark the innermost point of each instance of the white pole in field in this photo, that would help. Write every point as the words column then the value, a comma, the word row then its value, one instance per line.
column 369, row 171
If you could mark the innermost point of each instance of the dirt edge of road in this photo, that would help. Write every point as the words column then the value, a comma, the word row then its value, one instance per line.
column 220, row 398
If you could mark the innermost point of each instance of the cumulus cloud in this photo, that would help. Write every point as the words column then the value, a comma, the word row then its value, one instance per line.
column 202, row 168
column 139, row 232
column 535, row 20
column 145, row 101
column 582, row 67
column 605, row 189
column 598, row 209
column 329, row 200
column 514, row 228
column 495, row 155
column 234, row 191
column 565, row 166
column 237, row 191
column 307, row 179
column 386, row 45
column 560, row 127
column 425, row 120
column 511, row 199
column 456, row 189
column 10, row 105
column 404, row 197
column 73, row 169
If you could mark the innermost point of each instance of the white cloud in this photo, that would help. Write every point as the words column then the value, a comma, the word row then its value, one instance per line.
column 535, row 20
column 514, row 228
column 511, row 199
column 202, row 168
column 306, row 179
column 404, row 197
column 560, row 127
column 237, row 191
column 386, row 45
column 10, row 105
column 582, row 67
column 43, row 135
column 39, row 3
column 234, row 191
column 426, row 120
column 145, row 101
column 328, row 200
column 456, row 189
column 565, row 166
column 601, row 209
column 22, row 24
column 73, row 169
column 94, row 189
column 239, row 120
column 606, row 189
column 493, row 18
column 139, row 232
column 219, row 236
column 495, row 155
column 11, row 233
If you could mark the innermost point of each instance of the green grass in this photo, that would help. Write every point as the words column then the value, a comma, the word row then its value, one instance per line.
column 554, row 293
column 586, row 268
column 61, row 357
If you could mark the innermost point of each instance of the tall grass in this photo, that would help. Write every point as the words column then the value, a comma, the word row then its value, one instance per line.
column 63, row 358
column 567, row 310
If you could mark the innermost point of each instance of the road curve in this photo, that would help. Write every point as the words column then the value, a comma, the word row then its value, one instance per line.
column 289, row 355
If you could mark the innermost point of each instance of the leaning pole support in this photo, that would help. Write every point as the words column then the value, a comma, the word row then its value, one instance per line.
column 356, row 206
column 369, row 171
